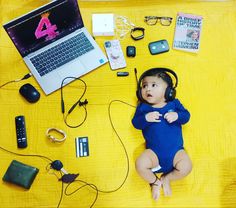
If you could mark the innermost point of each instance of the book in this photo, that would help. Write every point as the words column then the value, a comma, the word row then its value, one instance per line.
column 187, row 32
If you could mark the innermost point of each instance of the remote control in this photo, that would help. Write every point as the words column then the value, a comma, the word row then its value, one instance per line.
column 115, row 54
column 21, row 132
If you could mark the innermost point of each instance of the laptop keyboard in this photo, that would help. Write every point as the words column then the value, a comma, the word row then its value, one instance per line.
column 61, row 54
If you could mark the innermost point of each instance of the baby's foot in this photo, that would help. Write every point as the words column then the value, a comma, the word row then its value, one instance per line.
column 166, row 186
column 156, row 187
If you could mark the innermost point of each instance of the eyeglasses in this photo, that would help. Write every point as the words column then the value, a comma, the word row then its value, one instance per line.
column 152, row 20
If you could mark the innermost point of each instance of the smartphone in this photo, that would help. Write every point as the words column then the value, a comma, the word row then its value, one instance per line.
column 115, row 54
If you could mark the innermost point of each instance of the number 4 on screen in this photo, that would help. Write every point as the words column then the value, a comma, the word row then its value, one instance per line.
column 45, row 28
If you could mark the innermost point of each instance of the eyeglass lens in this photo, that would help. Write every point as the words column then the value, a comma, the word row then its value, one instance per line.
column 152, row 20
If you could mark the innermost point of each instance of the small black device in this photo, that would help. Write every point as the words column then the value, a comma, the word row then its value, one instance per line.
column 131, row 51
column 122, row 74
column 29, row 93
column 21, row 132
column 170, row 92
column 56, row 165
column 157, row 47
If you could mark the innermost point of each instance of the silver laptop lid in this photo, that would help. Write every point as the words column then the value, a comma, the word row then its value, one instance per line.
column 44, row 25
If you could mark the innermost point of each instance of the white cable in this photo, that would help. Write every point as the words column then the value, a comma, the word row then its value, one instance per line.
column 122, row 26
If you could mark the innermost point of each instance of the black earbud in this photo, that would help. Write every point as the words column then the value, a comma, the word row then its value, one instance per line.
column 81, row 103
column 85, row 102
column 170, row 92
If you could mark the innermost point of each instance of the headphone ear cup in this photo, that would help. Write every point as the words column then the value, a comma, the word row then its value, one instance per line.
column 138, row 91
column 138, row 94
column 170, row 94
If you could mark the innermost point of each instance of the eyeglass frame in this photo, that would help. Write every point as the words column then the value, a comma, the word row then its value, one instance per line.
column 147, row 18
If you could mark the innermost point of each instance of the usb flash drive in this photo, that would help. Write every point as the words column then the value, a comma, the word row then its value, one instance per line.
column 122, row 74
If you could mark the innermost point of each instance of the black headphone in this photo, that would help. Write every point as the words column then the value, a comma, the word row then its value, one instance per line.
column 170, row 92
column 77, row 103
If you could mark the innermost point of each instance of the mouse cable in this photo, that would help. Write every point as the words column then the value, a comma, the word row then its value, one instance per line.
column 17, row 80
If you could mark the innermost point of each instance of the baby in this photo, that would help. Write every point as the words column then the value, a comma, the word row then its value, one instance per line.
column 160, row 117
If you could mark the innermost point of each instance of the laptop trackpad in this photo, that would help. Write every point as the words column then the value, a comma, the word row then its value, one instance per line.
column 75, row 69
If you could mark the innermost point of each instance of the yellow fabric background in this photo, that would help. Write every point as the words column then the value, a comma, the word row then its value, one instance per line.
column 207, row 84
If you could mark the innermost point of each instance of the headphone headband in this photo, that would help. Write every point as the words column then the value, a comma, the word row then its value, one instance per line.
column 153, row 71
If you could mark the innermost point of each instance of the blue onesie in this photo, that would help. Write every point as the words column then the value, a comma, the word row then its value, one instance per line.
column 163, row 138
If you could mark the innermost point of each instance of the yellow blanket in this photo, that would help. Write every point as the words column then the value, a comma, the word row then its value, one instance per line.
column 207, row 85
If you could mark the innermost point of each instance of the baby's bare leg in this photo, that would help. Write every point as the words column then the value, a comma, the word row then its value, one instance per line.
column 145, row 162
column 183, row 167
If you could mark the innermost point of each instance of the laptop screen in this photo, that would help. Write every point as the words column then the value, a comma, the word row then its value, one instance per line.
column 44, row 25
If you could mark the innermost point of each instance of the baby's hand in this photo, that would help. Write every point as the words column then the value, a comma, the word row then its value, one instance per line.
column 153, row 116
column 171, row 117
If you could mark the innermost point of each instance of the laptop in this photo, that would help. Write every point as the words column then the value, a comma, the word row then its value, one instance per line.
column 55, row 44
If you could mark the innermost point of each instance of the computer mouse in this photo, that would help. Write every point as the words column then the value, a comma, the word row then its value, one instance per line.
column 29, row 93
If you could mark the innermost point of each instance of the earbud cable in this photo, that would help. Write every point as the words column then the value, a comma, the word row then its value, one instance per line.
column 77, row 103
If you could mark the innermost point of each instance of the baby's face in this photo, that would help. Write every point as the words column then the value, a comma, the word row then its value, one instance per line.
column 153, row 89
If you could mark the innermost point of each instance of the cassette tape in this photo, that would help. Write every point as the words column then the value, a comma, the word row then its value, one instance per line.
column 81, row 146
